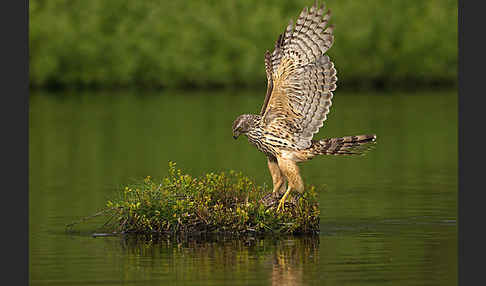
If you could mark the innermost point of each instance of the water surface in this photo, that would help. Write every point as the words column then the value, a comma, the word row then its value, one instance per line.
column 388, row 218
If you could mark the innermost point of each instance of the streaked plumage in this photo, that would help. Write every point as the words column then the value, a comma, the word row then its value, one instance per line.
column 301, row 79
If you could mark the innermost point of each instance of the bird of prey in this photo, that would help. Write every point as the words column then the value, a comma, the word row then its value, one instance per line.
column 301, row 79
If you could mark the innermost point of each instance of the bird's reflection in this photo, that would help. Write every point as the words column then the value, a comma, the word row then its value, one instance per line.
column 291, row 258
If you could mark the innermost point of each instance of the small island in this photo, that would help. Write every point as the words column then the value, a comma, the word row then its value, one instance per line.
column 217, row 203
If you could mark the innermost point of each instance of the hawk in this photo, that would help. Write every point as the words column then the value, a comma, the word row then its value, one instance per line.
column 301, row 79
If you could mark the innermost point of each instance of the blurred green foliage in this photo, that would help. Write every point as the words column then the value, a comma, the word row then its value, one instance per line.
column 221, row 43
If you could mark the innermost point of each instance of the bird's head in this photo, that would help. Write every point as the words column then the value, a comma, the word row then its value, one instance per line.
column 242, row 125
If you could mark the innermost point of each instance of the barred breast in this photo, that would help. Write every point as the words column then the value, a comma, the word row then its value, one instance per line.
column 257, row 138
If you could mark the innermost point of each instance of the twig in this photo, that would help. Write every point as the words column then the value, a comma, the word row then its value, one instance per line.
column 70, row 225
column 197, row 213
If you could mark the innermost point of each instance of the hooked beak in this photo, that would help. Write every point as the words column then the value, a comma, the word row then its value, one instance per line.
column 236, row 134
column 235, row 137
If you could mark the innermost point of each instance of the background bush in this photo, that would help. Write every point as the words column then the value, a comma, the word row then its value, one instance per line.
column 221, row 43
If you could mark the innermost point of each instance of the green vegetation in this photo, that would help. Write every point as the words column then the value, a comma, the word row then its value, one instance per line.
column 221, row 43
column 215, row 203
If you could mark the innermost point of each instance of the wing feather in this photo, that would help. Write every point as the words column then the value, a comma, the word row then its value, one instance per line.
column 301, row 78
column 268, row 71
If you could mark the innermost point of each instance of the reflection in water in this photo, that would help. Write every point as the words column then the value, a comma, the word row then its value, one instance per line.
column 286, row 259
column 290, row 259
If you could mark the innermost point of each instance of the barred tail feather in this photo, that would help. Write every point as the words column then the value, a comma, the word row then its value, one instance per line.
column 348, row 145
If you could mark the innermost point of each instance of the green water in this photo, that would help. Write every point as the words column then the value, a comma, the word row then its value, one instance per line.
column 389, row 218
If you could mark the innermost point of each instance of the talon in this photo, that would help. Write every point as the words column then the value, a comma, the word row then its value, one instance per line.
column 281, row 205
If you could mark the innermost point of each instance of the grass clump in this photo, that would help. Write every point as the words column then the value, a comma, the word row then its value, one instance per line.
column 214, row 203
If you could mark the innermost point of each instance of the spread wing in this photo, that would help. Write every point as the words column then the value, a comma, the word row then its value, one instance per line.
column 301, row 79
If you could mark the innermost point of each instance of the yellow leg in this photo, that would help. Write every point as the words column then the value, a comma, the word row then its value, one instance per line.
column 281, row 204
column 290, row 171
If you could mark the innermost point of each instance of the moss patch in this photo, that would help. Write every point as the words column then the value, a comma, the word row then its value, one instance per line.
column 226, row 202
